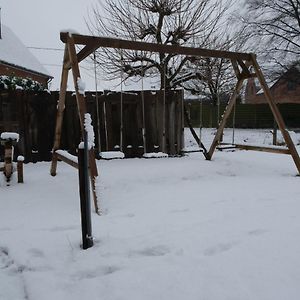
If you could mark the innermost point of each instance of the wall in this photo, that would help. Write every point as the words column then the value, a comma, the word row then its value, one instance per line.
column 285, row 90
column 9, row 70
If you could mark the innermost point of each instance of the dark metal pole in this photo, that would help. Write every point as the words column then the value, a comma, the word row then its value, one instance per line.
column 84, row 191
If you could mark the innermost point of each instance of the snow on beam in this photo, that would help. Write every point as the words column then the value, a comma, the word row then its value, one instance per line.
column 68, row 158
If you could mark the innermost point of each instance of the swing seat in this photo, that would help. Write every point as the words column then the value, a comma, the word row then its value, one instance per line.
column 227, row 147
column 155, row 155
column 192, row 150
column 108, row 155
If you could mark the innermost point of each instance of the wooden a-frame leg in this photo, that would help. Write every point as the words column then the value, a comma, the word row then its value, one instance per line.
column 81, row 112
column 60, row 112
column 226, row 115
column 276, row 113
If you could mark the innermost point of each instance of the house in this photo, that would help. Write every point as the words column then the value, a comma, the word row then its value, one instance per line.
column 17, row 60
column 286, row 89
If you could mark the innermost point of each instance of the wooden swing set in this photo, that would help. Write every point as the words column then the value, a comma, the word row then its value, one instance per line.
column 245, row 66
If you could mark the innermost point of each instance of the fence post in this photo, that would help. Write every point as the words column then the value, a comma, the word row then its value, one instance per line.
column 20, row 161
column 84, row 191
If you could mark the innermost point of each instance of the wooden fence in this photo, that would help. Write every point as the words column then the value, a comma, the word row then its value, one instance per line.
column 33, row 115
column 246, row 115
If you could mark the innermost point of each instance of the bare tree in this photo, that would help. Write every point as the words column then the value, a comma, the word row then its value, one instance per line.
column 215, row 78
column 274, row 25
column 173, row 22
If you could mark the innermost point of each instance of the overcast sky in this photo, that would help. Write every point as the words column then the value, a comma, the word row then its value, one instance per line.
column 38, row 23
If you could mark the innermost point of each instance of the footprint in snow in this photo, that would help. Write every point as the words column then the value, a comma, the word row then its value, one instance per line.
column 159, row 250
column 256, row 232
column 36, row 252
column 98, row 272
column 219, row 248
column 179, row 211
column 5, row 261
column 11, row 275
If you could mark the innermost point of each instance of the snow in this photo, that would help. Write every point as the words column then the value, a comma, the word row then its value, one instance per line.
column 70, row 31
column 81, row 86
column 10, row 136
column 172, row 228
column 89, row 129
column 67, row 155
column 13, row 51
column 20, row 158
column 155, row 155
column 111, row 154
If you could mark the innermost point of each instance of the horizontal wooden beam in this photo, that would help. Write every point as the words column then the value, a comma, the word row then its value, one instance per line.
column 280, row 150
column 105, row 42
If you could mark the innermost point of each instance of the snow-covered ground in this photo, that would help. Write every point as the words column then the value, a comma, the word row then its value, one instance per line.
column 171, row 229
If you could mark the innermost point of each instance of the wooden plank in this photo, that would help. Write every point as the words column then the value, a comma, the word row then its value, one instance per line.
column 153, row 47
column 245, row 69
column 83, row 53
column 60, row 111
column 279, row 150
column 76, row 77
column 225, row 116
column 236, row 68
column 276, row 113
column 67, row 160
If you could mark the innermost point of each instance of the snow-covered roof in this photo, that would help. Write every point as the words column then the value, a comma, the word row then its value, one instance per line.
column 14, row 52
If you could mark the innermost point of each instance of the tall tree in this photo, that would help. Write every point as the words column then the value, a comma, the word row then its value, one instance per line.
column 169, row 22
column 215, row 78
column 274, row 25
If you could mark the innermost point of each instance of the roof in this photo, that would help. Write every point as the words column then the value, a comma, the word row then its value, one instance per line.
column 288, row 75
column 15, row 53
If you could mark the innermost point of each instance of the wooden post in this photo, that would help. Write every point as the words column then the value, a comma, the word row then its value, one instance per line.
column 60, row 111
column 84, row 191
column 76, row 77
column 8, row 153
column 20, row 163
column 226, row 115
column 276, row 113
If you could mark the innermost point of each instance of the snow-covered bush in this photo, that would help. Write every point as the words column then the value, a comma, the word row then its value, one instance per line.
column 17, row 83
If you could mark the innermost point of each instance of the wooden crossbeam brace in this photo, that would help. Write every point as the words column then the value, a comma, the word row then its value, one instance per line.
column 83, row 53
column 245, row 69
column 67, row 160
column 245, row 73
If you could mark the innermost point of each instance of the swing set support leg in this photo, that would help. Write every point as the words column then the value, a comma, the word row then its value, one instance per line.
column 71, row 62
column 226, row 115
column 60, row 110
